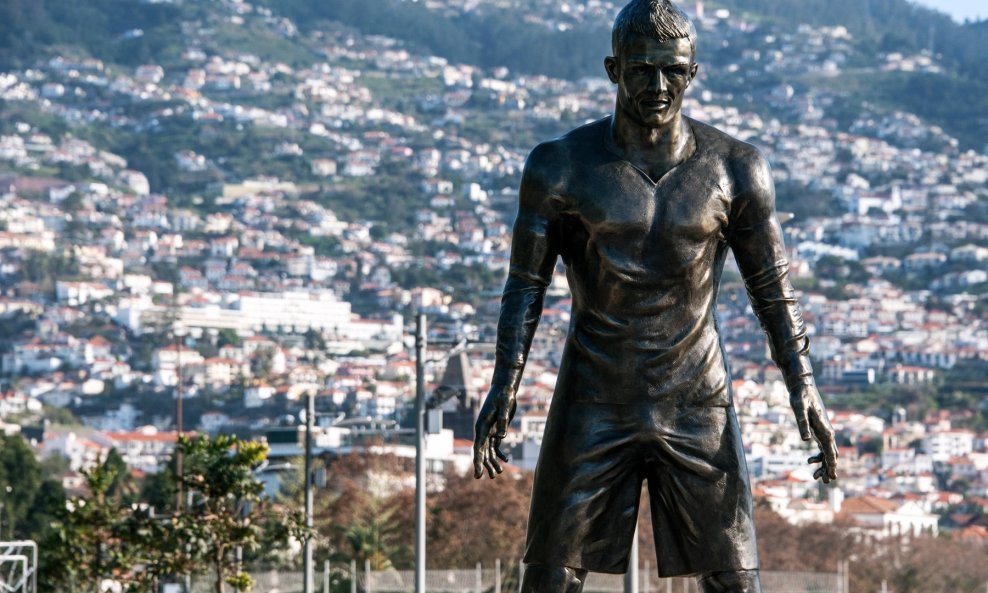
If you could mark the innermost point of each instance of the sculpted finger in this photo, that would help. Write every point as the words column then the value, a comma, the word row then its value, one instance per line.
column 818, row 458
column 485, row 461
column 492, row 458
column 828, row 445
column 499, row 453
column 819, row 473
column 831, row 461
column 478, row 456
column 478, row 464
column 482, row 433
column 480, row 445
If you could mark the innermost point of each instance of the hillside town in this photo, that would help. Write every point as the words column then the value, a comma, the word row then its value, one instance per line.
column 263, row 278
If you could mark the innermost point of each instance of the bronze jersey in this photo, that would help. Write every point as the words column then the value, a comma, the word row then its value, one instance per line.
column 644, row 259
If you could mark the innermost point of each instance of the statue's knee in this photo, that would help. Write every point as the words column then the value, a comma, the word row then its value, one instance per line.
column 542, row 578
column 734, row 581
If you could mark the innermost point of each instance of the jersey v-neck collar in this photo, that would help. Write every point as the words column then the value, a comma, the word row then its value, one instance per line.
column 608, row 146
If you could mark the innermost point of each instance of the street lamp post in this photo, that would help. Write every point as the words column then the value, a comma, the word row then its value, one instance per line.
column 310, row 414
column 420, row 347
column 313, row 479
column 631, row 575
column 178, row 333
column 421, row 405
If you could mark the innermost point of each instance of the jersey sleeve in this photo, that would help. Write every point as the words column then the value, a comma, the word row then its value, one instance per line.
column 534, row 250
column 756, row 239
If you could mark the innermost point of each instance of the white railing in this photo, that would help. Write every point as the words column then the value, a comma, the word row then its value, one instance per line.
column 19, row 567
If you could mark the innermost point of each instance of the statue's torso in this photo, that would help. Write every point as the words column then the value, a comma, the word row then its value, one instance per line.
column 643, row 260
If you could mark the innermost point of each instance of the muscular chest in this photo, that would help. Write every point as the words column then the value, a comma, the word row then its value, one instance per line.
column 615, row 208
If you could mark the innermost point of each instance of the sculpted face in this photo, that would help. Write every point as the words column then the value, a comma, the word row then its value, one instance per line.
column 652, row 77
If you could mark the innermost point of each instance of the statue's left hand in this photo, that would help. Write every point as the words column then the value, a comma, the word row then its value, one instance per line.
column 490, row 430
column 811, row 417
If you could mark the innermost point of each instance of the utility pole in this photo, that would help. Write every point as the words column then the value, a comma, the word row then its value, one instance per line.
column 420, row 348
column 178, row 333
column 310, row 415
column 631, row 576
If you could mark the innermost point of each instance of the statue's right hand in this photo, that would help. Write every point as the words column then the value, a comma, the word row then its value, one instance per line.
column 491, row 428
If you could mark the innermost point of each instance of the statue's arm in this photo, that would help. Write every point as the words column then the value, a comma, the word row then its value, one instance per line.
column 534, row 249
column 757, row 242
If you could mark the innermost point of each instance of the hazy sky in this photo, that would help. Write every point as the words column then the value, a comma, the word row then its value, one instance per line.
column 960, row 9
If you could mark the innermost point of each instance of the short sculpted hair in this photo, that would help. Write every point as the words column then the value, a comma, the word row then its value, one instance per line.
column 659, row 19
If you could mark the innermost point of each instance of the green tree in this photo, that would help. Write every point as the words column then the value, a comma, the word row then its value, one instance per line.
column 371, row 538
column 263, row 362
column 228, row 337
column 123, row 486
column 87, row 543
column 158, row 490
column 227, row 509
column 314, row 340
column 20, row 483
column 102, row 535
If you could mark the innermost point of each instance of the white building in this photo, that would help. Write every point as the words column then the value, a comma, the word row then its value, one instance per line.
column 289, row 312
column 81, row 452
column 167, row 361
column 144, row 449
column 256, row 396
column 79, row 293
column 882, row 517
column 942, row 445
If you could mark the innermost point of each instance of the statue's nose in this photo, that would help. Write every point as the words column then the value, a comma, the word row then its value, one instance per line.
column 658, row 82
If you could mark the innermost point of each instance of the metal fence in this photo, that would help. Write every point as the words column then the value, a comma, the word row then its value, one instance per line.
column 772, row 582
column 264, row 582
column 488, row 581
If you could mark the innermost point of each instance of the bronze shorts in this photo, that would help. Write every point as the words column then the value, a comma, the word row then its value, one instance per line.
column 588, row 482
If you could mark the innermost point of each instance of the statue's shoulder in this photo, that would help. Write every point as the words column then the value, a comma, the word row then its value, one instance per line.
column 588, row 135
column 744, row 162
column 571, row 145
column 554, row 160
column 723, row 145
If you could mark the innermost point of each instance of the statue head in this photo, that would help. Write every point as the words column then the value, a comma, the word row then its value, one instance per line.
column 656, row 19
column 654, row 46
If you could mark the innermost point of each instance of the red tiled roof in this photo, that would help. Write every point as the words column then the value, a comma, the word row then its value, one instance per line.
column 868, row 505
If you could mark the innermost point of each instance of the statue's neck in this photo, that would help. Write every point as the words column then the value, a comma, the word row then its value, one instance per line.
column 655, row 150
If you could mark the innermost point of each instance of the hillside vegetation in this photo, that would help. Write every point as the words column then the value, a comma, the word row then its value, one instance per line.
column 128, row 32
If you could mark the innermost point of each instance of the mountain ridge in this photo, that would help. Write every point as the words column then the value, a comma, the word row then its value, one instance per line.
column 130, row 33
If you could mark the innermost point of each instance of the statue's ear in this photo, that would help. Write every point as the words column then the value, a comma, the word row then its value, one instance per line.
column 613, row 68
column 693, row 70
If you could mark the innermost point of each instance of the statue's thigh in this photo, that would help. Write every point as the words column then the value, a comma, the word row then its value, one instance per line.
column 702, row 514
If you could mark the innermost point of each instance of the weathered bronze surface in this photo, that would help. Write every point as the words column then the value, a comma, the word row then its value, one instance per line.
column 643, row 207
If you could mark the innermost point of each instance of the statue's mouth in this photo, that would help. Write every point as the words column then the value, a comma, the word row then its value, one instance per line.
column 657, row 103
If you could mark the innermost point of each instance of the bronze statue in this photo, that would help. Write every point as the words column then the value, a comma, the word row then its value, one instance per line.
column 642, row 207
